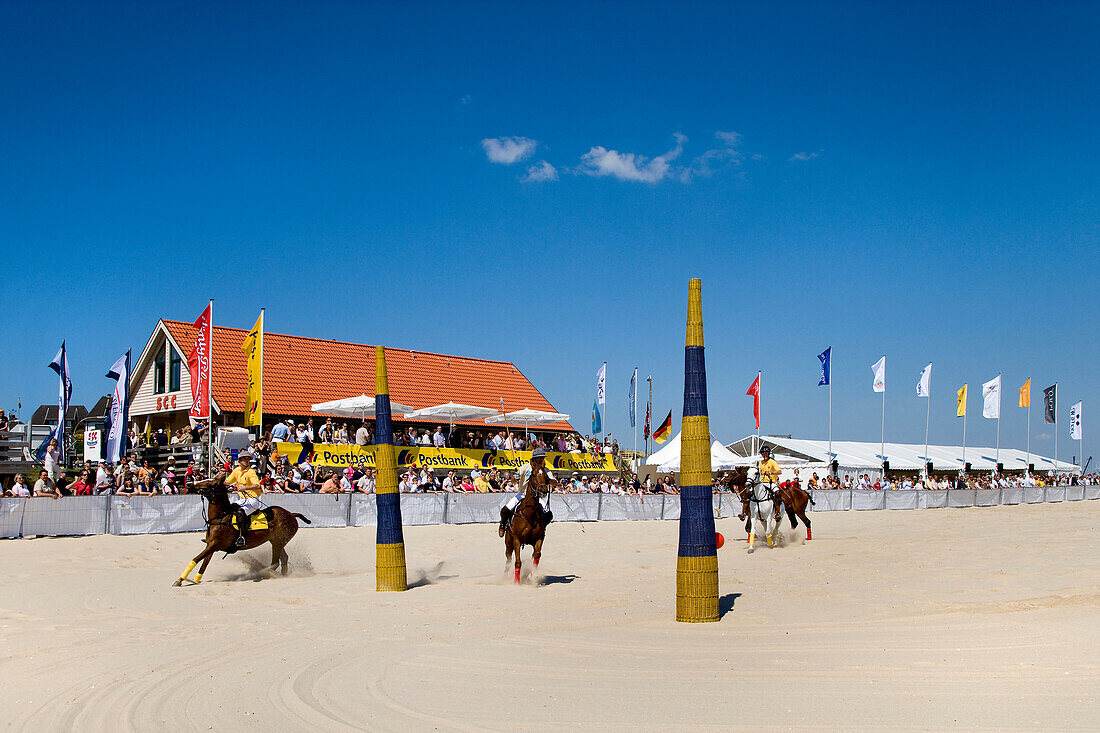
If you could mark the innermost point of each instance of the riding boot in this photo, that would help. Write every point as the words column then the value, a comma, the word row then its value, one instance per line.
column 505, row 515
column 548, row 515
column 242, row 526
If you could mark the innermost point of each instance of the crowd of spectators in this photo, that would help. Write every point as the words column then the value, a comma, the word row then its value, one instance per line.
column 943, row 482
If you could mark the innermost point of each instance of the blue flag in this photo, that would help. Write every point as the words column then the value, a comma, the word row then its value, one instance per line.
column 119, row 415
column 597, row 424
column 633, row 396
column 826, row 357
column 60, row 364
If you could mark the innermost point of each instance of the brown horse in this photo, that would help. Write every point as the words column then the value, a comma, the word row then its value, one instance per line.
column 528, row 524
column 221, row 535
column 795, row 500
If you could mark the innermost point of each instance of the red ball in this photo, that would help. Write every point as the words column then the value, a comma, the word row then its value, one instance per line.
column 719, row 540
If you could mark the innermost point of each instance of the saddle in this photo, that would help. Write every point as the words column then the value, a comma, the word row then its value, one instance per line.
column 259, row 520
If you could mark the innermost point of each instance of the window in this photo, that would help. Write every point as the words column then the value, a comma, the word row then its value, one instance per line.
column 174, row 366
column 158, row 373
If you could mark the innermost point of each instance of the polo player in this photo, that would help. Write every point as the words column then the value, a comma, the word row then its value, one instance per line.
column 537, row 463
column 247, row 498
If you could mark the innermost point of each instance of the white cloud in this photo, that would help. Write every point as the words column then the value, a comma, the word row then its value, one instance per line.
column 707, row 164
column 541, row 171
column 508, row 150
column 802, row 156
column 599, row 161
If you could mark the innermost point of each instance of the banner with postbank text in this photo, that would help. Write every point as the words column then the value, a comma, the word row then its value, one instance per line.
column 444, row 459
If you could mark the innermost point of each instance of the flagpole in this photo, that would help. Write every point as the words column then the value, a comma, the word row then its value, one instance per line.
column 210, row 395
column 830, row 410
column 964, row 440
column 882, row 447
column 649, row 411
column 1027, row 467
column 635, row 416
column 260, row 410
column 759, row 389
column 1055, row 427
column 1000, row 389
column 927, row 418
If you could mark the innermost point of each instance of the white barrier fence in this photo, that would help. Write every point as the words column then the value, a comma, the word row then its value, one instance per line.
column 122, row 515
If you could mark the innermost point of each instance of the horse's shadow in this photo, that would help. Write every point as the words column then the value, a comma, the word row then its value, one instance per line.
column 557, row 579
column 725, row 603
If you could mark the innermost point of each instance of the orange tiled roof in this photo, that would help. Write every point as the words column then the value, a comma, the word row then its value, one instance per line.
column 301, row 371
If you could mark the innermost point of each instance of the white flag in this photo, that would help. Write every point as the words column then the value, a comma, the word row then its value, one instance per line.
column 924, row 384
column 601, row 376
column 1075, row 422
column 991, row 394
column 879, row 368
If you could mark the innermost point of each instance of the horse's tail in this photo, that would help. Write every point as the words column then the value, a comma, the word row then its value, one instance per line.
column 303, row 517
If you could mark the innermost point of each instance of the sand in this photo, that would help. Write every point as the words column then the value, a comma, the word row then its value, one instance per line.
column 913, row 620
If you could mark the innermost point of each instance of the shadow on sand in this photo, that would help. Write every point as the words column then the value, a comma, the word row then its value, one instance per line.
column 725, row 603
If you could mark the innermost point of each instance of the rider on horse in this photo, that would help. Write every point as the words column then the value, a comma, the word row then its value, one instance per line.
column 536, row 464
column 247, row 498
column 769, row 473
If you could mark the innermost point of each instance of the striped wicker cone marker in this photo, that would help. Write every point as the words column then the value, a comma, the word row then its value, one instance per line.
column 697, row 564
column 389, row 571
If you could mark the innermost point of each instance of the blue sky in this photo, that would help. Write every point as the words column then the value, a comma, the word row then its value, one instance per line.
column 921, row 181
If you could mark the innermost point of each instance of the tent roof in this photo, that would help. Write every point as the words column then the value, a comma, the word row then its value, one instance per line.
column 903, row 456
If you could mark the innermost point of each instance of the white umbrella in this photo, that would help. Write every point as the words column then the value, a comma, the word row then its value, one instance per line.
column 528, row 417
column 452, row 411
column 361, row 407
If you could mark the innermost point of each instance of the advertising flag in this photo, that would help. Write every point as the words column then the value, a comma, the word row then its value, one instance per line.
column 118, row 417
column 1075, row 421
column 924, row 384
column 960, row 409
column 1025, row 394
column 633, row 399
column 253, row 347
column 601, row 377
column 664, row 429
column 60, row 364
column 879, row 368
column 1050, row 404
column 198, row 361
column 826, row 367
column 645, row 427
column 597, row 424
column 991, row 394
column 754, row 392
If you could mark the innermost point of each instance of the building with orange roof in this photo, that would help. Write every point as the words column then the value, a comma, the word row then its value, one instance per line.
column 299, row 372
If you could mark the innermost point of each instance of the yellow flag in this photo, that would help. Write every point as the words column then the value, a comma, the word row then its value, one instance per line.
column 961, row 410
column 253, row 347
column 1025, row 394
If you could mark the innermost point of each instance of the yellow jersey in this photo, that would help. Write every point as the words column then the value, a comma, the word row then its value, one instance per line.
column 246, row 482
column 769, row 471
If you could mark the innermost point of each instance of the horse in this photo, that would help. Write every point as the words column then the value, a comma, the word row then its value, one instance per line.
column 221, row 535
column 528, row 524
column 763, row 512
column 795, row 500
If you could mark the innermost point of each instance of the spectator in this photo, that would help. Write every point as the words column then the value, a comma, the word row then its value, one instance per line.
column 365, row 484
column 82, row 486
column 52, row 462
column 467, row 484
column 18, row 487
column 449, row 481
column 44, row 486
column 362, row 435
column 437, row 437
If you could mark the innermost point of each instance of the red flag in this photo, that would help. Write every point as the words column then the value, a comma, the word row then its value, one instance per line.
column 645, row 428
column 754, row 392
column 198, row 363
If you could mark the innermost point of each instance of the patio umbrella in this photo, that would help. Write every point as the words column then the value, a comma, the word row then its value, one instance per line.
column 361, row 407
column 528, row 417
column 452, row 411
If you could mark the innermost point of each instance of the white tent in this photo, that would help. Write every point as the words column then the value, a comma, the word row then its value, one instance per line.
column 361, row 407
column 867, row 457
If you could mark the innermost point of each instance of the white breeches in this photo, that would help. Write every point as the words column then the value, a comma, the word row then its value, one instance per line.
column 515, row 500
column 249, row 503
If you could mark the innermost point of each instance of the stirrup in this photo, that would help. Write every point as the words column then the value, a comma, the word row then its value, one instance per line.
column 241, row 541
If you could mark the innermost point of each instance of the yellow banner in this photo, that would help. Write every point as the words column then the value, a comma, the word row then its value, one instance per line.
column 460, row 459
column 253, row 347
column 960, row 402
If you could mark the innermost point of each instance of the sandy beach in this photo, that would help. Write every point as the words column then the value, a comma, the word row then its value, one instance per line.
column 910, row 620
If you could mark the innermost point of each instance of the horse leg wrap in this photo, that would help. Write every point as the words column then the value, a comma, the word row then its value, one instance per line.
column 198, row 578
column 190, row 567
column 769, row 539
column 517, row 575
column 752, row 540
column 809, row 535
column 536, row 562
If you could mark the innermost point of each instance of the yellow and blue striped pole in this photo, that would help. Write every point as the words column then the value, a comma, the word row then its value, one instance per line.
column 697, row 563
column 389, row 570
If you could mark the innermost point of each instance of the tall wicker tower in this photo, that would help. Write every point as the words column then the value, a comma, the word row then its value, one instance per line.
column 389, row 571
column 697, row 563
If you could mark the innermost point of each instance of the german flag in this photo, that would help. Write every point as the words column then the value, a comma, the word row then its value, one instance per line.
column 664, row 430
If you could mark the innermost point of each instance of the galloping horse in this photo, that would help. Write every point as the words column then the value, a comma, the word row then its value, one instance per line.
column 528, row 524
column 221, row 535
column 761, row 509
column 795, row 499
